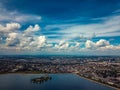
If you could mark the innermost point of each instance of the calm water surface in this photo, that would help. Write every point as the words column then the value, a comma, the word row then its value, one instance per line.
column 58, row 82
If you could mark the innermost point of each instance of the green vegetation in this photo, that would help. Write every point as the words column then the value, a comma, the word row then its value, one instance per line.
column 41, row 79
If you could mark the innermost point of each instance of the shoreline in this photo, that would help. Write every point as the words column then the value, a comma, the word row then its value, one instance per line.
column 98, row 82
column 66, row 73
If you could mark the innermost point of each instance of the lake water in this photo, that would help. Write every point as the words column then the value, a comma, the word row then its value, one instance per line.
column 58, row 82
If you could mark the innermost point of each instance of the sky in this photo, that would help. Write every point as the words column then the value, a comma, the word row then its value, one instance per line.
column 60, row 27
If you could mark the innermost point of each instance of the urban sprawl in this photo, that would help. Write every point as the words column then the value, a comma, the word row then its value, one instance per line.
column 101, row 69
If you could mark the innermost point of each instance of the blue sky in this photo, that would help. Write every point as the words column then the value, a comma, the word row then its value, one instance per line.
column 70, row 27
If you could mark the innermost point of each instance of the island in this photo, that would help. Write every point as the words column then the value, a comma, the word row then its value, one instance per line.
column 41, row 79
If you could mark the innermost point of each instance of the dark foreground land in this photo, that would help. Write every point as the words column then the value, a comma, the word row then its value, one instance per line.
column 105, row 69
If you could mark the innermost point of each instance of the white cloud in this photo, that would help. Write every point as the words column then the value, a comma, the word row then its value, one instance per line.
column 32, row 29
column 18, row 41
column 111, row 47
column 108, row 26
column 12, row 39
column 15, row 16
column 92, row 45
column 62, row 45
column 41, row 41
column 101, row 45
column 76, row 47
column 25, row 41
column 70, row 47
column 10, row 27
column 32, row 42
column 27, row 18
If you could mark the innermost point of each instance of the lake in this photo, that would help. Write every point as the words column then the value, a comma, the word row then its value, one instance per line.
column 58, row 82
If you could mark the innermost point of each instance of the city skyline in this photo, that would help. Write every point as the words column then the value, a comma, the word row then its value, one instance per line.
column 75, row 27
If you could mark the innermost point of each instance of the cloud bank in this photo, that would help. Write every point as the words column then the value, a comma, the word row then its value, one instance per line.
column 16, row 40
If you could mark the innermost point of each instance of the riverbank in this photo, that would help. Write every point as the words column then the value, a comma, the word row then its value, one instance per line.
column 105, row 84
